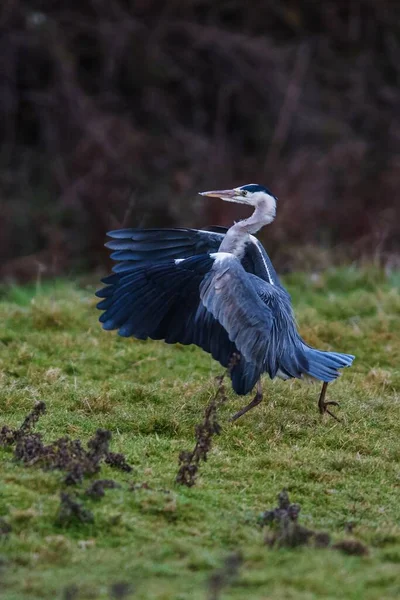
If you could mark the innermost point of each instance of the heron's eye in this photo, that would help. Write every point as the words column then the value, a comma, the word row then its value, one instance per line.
column 244, row 192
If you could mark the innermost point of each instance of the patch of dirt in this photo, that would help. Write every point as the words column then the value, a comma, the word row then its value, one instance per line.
column 351, row 547
column 224, row 576
column 63, row 454
column 11, row 436
column 72, row 511
column 121, row 590
column 118, row 461
column 98, row 488
column 286, row 532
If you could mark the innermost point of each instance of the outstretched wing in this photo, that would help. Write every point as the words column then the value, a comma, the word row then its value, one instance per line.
column 132, row 247
column 162, row 301
column 229, row 294
column 139, row 246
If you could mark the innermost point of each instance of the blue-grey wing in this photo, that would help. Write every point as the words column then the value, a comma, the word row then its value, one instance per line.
column 162, row 301
column 286, row 350
column 229, row 294
column 138, row 246
column 133, row 247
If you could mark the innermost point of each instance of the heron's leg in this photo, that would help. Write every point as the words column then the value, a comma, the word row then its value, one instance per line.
column 323, row 406
column 255, row 402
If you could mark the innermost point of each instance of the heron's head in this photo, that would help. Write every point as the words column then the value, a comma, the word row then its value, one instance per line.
column 252, row 194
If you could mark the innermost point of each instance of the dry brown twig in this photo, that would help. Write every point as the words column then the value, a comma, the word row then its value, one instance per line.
column 204, row 432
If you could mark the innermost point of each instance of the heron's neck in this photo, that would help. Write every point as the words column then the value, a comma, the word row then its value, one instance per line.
column 237, row 236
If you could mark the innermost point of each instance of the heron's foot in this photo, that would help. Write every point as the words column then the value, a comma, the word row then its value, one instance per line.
column 323, row 406
column 255, row 402
column 324, row 409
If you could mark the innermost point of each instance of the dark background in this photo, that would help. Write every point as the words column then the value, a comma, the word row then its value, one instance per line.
column 116, row 112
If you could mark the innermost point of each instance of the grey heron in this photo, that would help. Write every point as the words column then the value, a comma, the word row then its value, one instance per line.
column 218, row 289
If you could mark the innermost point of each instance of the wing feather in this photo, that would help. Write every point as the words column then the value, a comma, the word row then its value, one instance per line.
column 138, row 246
column 229, row 294
column 155, row 245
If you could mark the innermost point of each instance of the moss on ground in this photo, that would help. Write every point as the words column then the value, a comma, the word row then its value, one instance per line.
column 153, row 539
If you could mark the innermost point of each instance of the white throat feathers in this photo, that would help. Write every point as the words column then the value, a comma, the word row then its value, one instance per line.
column 238, row 235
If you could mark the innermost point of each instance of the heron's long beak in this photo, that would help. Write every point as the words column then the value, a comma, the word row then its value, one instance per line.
column 223, row 194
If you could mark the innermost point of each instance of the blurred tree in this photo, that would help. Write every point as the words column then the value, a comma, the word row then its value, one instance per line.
column 118, row 111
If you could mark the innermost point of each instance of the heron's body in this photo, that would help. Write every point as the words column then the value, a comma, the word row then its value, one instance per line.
column 217, row 289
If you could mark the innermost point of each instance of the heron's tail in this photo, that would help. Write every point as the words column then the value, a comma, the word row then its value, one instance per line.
column 325, row 365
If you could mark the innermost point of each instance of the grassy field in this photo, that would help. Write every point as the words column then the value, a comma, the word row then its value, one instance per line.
column 151, row 538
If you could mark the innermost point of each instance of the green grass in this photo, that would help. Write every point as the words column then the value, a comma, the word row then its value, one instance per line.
column 151, row 395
